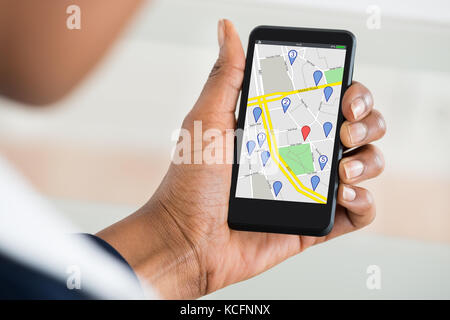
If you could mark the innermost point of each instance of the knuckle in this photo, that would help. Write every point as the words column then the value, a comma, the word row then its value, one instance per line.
column 371, row 215
column 368, row 203
column 228, row 73
column 222, row 66
column 380, row 122
column 215, row 71
column 368, row 97
column 378, row 159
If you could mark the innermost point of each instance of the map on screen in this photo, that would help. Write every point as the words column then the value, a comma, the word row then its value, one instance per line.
column 291, row 115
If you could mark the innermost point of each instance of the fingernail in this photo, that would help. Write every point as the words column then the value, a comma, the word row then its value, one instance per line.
column 357, row 132
column 221, row 32
column 348, row 194
column 358, row 107
column 353, row 169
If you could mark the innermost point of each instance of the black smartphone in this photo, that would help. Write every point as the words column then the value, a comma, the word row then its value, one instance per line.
column 287, row 148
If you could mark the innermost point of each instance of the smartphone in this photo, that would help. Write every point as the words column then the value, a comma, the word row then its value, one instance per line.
column 287, row 146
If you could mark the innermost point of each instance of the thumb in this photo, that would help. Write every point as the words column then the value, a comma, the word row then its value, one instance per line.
column 221, row 91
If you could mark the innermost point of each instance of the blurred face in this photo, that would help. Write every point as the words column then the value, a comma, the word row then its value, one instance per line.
column 50, row 45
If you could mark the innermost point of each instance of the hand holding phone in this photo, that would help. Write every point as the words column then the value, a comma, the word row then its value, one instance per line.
column 182, row 233
column 285, row 178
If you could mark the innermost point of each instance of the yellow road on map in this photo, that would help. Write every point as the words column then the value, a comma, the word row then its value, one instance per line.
column 261, row 101
column 282, row 95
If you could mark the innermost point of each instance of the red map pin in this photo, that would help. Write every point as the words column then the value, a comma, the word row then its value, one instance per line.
column 305, row 132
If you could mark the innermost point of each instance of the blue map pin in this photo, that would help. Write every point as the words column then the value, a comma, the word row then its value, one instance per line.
column 314, row 182
column 328, row 91
column 265, row 155
column 277, row 187
column 250, row 147
column 323, row 161
column 285, row 103
column 257, row 113
column 317, row 75
column 261, row 138
column 327, row 126
column 292, row 56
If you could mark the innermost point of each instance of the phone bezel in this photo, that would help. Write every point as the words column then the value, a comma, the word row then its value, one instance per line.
column 288, row 216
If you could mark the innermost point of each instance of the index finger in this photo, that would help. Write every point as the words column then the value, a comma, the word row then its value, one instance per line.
column 357, row 102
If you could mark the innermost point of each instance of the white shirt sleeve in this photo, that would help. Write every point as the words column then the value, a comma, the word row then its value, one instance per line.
column 32, row 232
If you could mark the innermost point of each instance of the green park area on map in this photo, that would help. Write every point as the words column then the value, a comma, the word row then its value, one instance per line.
column 298, row 158
column 334, row 75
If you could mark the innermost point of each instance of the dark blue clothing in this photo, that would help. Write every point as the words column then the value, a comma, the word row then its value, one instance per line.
column 19, row 281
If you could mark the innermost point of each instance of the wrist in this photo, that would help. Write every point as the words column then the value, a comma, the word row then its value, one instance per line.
column 159, row 252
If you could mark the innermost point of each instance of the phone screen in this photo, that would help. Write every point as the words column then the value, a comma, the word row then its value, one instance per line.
column 290, row 123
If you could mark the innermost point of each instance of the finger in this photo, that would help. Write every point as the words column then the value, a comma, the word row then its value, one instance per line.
column 369, row 129
column 221, row 91
column 357, row 102
column 359, row 204
column 361, row 164
column 356, row 210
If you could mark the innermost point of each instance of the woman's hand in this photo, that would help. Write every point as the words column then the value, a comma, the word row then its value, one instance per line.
column 180, row 241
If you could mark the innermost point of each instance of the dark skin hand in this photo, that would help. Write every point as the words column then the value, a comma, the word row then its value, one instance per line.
column 180, row 241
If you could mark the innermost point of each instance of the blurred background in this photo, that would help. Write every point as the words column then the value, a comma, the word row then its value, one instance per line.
column 99, row 154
